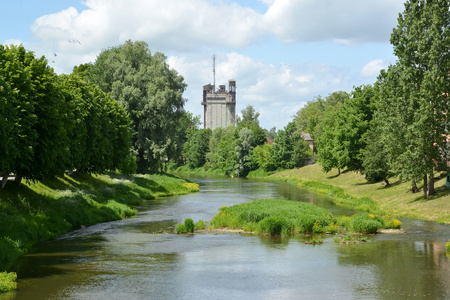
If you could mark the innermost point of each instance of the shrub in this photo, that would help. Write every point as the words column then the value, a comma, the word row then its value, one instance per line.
column 275, row 226
column 391, row 223
column 181, row 229
column 364, row 223
column 448, row 246
column 200, row 225
column 189, row 224
column 8, row 282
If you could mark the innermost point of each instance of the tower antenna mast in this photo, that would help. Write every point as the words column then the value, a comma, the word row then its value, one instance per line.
column 214, row 71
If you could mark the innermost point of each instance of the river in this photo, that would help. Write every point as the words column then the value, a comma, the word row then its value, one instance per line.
column 141, row 258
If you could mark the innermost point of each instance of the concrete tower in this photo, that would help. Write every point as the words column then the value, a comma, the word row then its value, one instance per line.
column 219, row 106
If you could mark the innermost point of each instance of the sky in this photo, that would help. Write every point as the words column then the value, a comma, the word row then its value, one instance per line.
column 282, row 53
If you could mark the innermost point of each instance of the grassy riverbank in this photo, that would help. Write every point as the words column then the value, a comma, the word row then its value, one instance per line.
column 38, row 211
column 351, row 189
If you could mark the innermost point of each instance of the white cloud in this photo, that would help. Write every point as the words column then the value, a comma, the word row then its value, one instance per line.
column 346, row 21
column 372, row 68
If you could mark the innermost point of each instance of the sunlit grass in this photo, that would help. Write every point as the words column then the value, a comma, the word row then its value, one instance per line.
column 284, row 217
column 351, row 189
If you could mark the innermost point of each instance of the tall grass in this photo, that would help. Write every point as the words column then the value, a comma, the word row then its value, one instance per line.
column 284, row 217
column 38, row 211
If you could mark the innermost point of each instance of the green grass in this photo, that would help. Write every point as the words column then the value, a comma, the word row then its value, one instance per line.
column 351, row 189
column 39, row 211
column 284, row 217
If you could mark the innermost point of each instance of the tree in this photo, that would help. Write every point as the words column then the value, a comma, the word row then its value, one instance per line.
column 34, row 116
column 309, row 116
column 244, row 148
column 262, row 157
column 150, row 92
column 250, row 120
column 196, row 147
column 289, row 149
column 415, row 91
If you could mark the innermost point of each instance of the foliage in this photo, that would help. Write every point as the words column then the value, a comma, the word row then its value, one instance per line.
column 447, row 245
column 262, row 157
column 52, row 123
column 341, row 140
column 8, row 281
column 200, row 225
column 414, row 101
column 150, row 92
column 189, row 224
column 244, row 147
column 181, row 229
column 365, row 223
column 273, row 216
column 250, row 121
column 289, row 149
column 284, row 217
column 196, row 147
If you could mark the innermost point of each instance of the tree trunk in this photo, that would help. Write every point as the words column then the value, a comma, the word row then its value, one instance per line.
column 18, row 180
column 414, row 188
column 425, row 186
column 339, row 171
column 386, row 181
column 4, row 179
column 431, row 185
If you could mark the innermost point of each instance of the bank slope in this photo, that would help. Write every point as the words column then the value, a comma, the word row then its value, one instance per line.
column 396, row 199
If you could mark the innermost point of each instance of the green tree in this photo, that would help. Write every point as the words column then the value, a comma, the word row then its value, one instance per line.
column 150, row 92
column 310, row 115
column 262, row 157
column 35, row 116
column 415, row 91
column 289, row 149
column 250, row 120
column 244, row 148
column 196, row 147
column 226, row 156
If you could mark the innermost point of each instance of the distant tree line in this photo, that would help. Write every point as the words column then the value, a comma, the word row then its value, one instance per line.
column 400, row 125
column 237, row 150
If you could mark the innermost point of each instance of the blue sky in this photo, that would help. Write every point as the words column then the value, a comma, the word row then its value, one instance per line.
column 282, row 53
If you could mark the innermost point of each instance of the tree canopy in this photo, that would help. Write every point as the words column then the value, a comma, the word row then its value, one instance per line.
column 151, row 92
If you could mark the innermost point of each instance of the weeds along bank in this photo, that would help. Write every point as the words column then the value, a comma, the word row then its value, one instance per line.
column 39, row 211
column 351, row 189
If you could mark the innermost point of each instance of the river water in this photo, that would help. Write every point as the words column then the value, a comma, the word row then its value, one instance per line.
column 141, row 258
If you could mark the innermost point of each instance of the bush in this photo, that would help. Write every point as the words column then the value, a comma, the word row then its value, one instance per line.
column 186, row 227
column 8, row 282
column 200, row 225
column 365, row 223
column 448, row 246
column 275, row 226
column 181, row 229
column 189, row 224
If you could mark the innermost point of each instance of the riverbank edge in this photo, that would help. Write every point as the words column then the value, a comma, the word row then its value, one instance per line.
column 38, row 211
column 350, row 189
